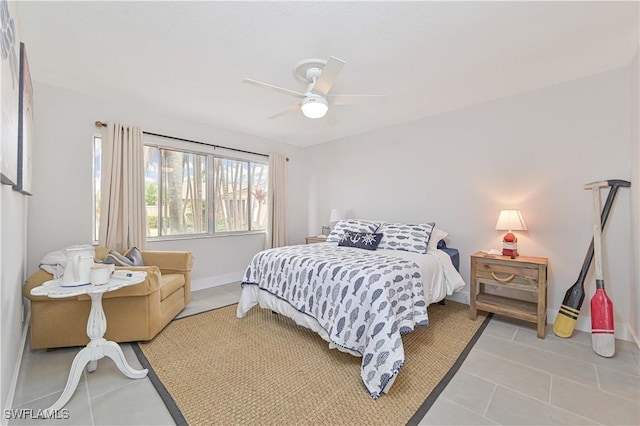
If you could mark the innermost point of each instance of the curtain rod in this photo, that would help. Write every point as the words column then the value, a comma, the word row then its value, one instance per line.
column 101, row 124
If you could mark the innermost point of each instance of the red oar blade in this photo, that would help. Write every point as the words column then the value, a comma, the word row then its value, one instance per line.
column 603, row 338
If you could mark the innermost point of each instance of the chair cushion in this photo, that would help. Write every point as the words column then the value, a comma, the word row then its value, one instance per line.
column 169, row 284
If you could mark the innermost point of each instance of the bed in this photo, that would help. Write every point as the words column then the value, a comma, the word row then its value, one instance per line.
column 359, row 300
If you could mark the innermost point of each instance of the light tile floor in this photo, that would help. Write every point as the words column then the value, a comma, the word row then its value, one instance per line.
column 513, row 378
column 510, row 377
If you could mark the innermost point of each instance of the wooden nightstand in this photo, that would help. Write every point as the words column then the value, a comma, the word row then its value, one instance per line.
column 315, row 239
column 499, row 282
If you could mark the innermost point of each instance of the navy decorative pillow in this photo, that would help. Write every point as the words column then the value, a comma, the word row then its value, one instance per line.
column 132, row 257
column 135, row 256
column 352, row 225
column 118, row 259
column 363, row 240
column 407, row 237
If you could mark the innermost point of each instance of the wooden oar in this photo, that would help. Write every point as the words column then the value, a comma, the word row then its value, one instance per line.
column 602, row 328
column 565, row 321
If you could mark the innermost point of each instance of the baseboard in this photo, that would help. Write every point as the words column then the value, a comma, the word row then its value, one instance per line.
column 461, row 297
column 217, row 280
column 583, row 323
column 16, row 371
column 636, row 338
column 623, row 331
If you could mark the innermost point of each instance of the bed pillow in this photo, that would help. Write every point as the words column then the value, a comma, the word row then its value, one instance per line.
column 353, row 225
column 406, row 237
column 436, row 236
column 362, row 240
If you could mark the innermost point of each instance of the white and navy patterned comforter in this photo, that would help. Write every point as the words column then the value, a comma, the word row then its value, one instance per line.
column 363, row 300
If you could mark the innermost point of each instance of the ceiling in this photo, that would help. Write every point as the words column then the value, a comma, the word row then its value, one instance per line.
column 188, row 59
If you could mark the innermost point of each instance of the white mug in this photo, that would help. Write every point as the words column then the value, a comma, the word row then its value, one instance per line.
column 101, row 274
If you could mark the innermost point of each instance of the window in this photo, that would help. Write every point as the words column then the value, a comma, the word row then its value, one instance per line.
column 175, row 192
column 240, row 195
column 195, row 193
column 258, row 174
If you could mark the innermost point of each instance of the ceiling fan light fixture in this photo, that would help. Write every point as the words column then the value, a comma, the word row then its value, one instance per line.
column 314, row 106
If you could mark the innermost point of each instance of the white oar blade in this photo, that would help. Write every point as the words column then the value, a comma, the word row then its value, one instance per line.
column 603, row 344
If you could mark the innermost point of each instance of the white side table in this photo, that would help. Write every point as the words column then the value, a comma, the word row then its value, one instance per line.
column 98, row 347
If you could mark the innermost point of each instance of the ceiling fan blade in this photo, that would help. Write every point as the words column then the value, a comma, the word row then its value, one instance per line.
column 329, row 73
column 276, row 88
column 331, row 118
column 292, row 108
column 351, row 99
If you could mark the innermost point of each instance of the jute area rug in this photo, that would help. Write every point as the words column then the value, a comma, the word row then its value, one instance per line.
column 213, row 368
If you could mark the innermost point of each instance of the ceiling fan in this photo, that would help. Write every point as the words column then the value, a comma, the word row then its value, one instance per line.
column 319, row 76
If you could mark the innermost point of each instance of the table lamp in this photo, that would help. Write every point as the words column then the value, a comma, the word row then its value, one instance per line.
column 335, row 216
column 510, row 220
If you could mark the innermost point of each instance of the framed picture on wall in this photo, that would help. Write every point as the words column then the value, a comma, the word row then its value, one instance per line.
column 9, row 65
column 25, row 124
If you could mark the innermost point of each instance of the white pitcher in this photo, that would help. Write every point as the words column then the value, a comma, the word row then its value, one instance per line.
column 78, row 268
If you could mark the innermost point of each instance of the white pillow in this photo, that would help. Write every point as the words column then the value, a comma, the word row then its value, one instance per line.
column 436, row 236
column 353, row 225
column 405, row 236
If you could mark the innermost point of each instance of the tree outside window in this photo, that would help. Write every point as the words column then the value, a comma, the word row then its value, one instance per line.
column 177, row 185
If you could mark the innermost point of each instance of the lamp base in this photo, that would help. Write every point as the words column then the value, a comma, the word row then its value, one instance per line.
column 510, row 246
column 511, row 253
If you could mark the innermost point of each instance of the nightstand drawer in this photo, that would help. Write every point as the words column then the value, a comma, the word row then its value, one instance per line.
column 522, row 276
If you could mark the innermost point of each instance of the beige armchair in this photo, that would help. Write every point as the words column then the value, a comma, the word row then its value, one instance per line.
column 135, row 313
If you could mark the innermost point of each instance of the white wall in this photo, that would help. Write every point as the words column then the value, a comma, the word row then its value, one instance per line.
column 634, row 290
column 533, row 151
column 13, row 230
column 60, row 213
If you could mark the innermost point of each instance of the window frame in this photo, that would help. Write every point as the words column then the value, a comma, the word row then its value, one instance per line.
column 210, row 157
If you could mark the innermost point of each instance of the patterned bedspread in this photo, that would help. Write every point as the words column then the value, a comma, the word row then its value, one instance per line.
column 363, row 299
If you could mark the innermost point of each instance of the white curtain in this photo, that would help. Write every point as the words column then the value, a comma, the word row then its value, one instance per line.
column 277, row 202
column 123, row 216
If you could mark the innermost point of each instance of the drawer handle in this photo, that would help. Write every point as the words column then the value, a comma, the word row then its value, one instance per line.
column 503, row 280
